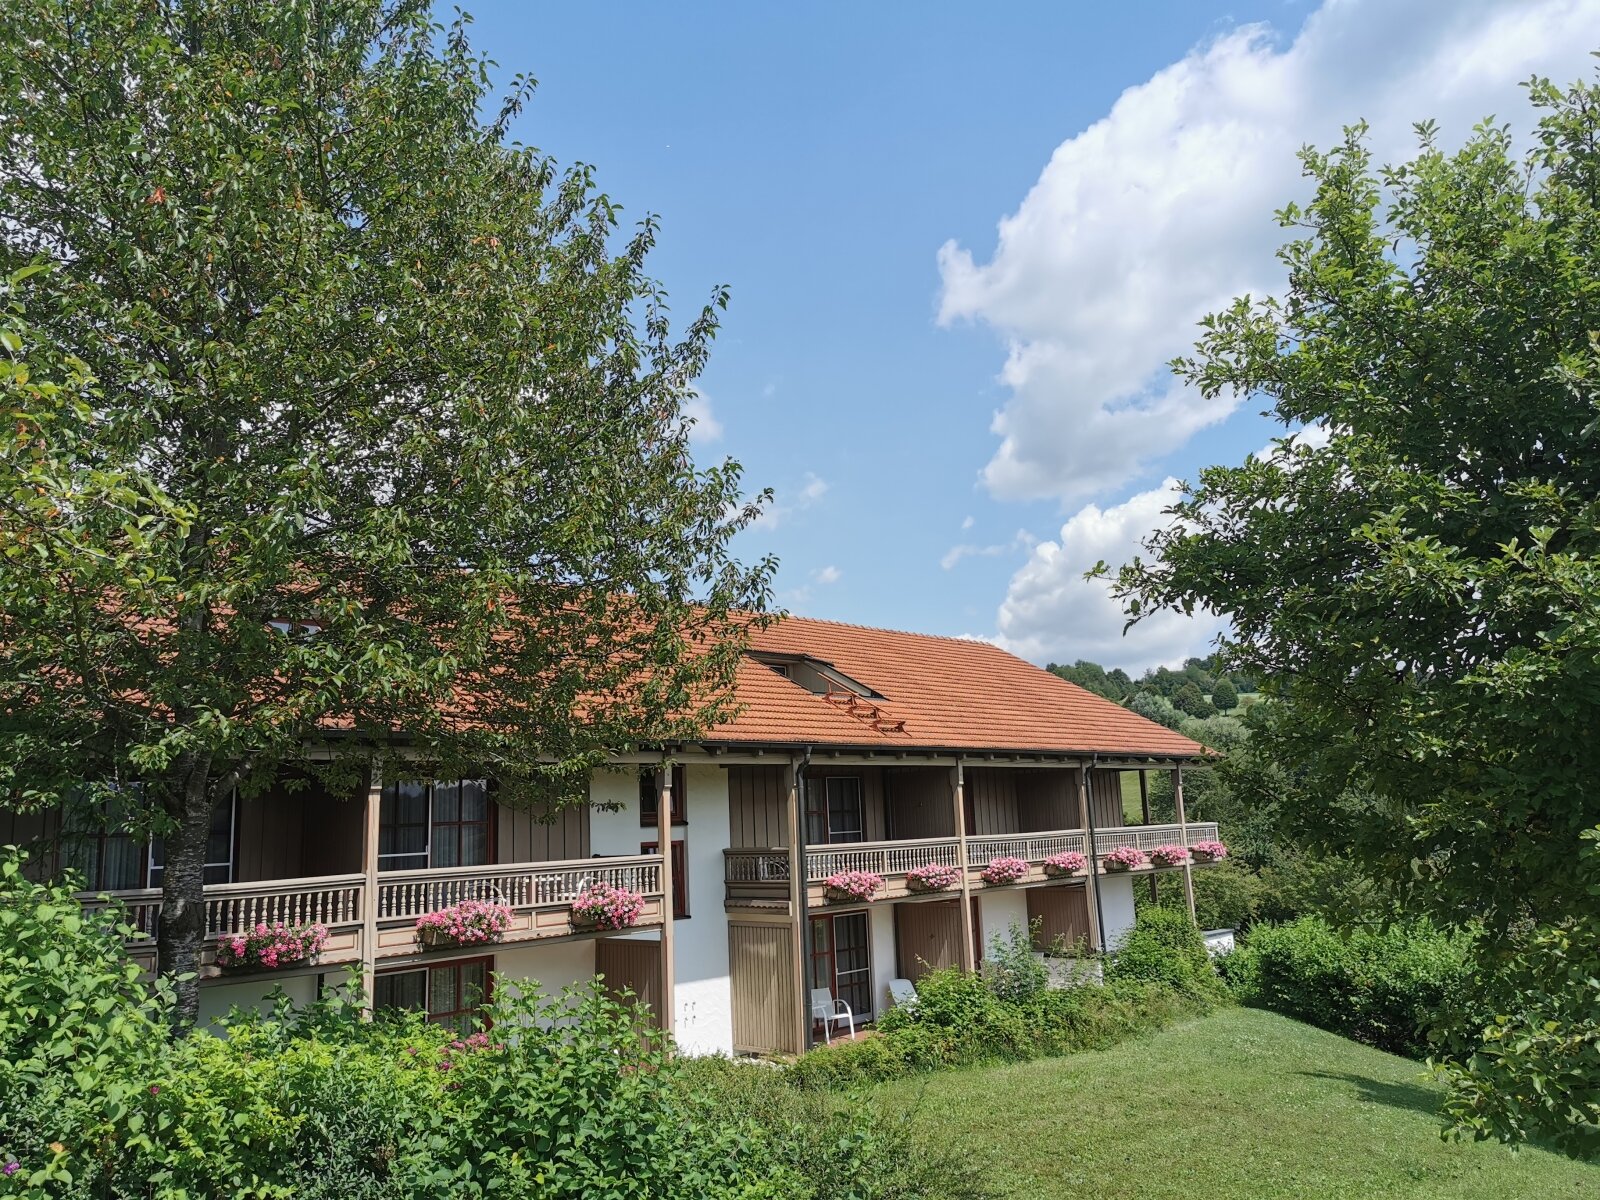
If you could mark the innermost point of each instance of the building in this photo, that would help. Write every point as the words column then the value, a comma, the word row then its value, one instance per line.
column 856, row 750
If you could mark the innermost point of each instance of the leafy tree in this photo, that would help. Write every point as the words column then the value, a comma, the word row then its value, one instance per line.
column 1189, row 699
column 1156, row 708
column 1223, row 697
column 386, row 429
column 1092, row 677
column 1420, row 588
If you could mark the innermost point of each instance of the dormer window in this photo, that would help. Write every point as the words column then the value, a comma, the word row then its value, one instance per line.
column 821, row 678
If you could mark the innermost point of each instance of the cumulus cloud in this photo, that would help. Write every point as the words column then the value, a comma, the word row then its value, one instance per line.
column 1053, row 612
column 827, row 574
column 1021, row 540
column 812, row 488
column 1161, row 212
column 703, row 426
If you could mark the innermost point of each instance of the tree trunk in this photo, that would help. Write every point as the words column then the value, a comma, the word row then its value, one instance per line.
column 183, row 910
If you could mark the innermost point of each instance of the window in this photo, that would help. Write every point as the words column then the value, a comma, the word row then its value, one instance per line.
column 840, row 960
column 834, row 810
column 648, row 794
column 97, row 845
column 219, row 846
column 680, row 875
column 450, row 993
column 434, row 823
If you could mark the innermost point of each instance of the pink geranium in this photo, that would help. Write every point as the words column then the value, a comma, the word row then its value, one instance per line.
column 608, row 906
column 935, row 877
column 1208, row 851
column 275, row 945
column 1123, row 858
column 1004, row 869
column 1068, row 862
column 1169, row 856
column 853, row 885
column 469, row 923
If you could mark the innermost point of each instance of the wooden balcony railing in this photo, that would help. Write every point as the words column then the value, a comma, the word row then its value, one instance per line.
column 407, row 895
column 235, row 907
column 1030, row 847
column 1148, row 837
column 881, row 858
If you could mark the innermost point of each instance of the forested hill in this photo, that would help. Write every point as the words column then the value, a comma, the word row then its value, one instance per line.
column 1200, row 689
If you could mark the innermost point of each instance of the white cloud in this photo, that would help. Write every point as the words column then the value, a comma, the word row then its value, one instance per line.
column 703, row 426
column 827, row 574
column 1053, row 612
column 812, row 488
column 1021, row 540
column 967, row 524
column 1161, row 212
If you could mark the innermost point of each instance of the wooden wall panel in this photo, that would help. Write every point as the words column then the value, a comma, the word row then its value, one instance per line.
column 761, row 964
column 991, row 795
column 758, row 807
column 918, row 803
column 631, row 965
column 1047, row 797
column 927, row 936
column 526, row 835
column 1062, row 912
column 38, row 833
column 336, row 831
column 1106, row 792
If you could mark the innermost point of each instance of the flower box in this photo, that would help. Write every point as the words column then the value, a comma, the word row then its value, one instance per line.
column 270, row 947
column 606, row 906
column 1068, row 862
column 1169, row 856
column 469, row 923
column 1205, row 852
column 1123, row 858
column 1004, row 870
column 935, row 877
column 857, row 886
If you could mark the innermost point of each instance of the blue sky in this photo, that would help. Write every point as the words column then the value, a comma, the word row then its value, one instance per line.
column 963, row 239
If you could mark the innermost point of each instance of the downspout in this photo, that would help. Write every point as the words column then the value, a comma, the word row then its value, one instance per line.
column 799, row 890
column 1094, row 857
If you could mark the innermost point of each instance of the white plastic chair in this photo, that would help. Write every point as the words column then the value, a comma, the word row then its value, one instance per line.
column 830, row 1012
column 902, row 993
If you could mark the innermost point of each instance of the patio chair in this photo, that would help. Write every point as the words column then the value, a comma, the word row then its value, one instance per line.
column 830, row 1012
column 902, row 993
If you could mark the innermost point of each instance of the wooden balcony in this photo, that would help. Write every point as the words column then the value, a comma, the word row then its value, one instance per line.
column 759, row 878
column 539, row 895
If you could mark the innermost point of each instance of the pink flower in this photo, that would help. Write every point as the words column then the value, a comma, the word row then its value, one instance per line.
column 1004, row 869
column 1123, row 858
column 935, row 877
column 1068, row 862
column 854, row 885
column 1169, row 856
column 1210, row 849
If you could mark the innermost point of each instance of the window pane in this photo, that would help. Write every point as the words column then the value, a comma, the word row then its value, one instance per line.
column 404, row 989
column 474, row 984
column 446, row 800
column 446, row 848
column 119, row 865
column 474, row 800
column 442, row 990
column 474, row 845
column 648, row 808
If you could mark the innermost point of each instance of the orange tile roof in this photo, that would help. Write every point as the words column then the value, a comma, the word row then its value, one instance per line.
column 950, row 694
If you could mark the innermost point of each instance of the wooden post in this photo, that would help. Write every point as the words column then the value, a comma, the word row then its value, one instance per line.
column 664, row 846
column 958, row 792
column 1098, row 920
column 1144, row 806
column 798, row 892
column 1183, row 838
column 369, row 890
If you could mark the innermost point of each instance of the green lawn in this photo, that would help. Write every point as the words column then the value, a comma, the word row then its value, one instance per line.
column 1241, row 1104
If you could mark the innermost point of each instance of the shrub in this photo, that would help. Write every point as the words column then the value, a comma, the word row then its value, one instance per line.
column 1223, row 696
column 1011, row 969
column 608, row 906
column 275, row 945
column 469, row 923
column 1165, row 948
column 1004, row 869
column 1225, row 896
column 1386, row 988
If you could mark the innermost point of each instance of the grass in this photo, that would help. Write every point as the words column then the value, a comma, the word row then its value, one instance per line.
column 1241, row 1104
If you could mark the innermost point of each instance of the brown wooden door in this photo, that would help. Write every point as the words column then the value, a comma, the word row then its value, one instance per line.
column 927, row 936
column 1062, row 913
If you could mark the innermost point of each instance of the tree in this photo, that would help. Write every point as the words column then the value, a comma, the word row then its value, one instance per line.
column 1188, row 699
column 1156, row 708
column 1092, row 677
column 385, row 431
column 1223, row 697
column 1419, row 590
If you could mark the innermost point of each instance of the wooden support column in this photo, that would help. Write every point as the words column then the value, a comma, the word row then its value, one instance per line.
column 664, row 845
column 958, row 794
column 1183, row 838
column 798, row 891
column 1144, row 805
column 1097, row 922
column 369, row 890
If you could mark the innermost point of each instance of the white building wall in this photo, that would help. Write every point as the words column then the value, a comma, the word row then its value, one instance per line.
column 997, row 912
column 552, row 967
column 885, row 957
column 1116, row 908
column 216, row 999
column 702, row 987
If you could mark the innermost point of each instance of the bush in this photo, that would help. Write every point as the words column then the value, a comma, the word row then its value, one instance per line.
column 1387, row 988
column 1164, row 948
column 1011, row 970
column 1223, row 697
column 1226, row 895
